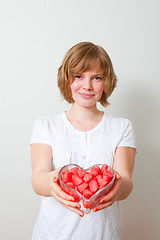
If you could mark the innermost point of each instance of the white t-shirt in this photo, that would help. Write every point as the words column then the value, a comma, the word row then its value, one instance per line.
column 69, row 145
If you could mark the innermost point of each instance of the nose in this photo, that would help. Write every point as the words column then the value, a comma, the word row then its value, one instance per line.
column 87, row 84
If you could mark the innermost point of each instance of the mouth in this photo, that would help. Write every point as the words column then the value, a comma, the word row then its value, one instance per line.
column 85, row 95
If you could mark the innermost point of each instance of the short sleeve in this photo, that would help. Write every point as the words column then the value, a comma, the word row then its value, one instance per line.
column 128, row 136
column 40, row 133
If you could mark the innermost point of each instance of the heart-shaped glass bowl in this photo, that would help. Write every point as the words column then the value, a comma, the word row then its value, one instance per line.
column 94, row 200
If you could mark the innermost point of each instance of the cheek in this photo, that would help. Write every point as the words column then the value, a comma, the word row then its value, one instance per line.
column 100, row 87
column 74, row 86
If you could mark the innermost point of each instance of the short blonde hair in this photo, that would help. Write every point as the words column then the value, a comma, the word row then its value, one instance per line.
column 82, row 57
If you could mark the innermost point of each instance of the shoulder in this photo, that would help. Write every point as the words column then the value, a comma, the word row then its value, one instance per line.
column 117, row 124
column 117, row 120
column 49, row 123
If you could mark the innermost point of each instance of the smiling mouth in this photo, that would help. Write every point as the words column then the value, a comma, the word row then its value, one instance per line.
column 84, row 95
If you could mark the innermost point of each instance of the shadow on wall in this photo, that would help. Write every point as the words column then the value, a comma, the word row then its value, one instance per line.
column 140, row 213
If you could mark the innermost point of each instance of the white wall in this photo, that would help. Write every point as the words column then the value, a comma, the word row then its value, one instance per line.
column 35, row 35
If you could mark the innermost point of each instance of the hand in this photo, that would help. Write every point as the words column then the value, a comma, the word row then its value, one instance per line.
column 111, row 196
column 65, row 199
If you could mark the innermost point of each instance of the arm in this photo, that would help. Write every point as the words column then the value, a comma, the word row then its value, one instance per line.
column 42, row 174
column 45, row 180
column 123, row 164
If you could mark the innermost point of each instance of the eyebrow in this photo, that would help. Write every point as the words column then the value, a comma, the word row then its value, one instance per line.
column 101, row 74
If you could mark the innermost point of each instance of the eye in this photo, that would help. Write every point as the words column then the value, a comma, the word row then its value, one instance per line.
column 78, row 76
column 98, row 78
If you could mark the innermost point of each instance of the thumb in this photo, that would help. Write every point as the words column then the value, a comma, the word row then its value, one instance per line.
column 56, row 172
column 118, row 176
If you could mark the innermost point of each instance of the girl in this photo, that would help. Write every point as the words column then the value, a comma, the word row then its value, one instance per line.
column 85, row 136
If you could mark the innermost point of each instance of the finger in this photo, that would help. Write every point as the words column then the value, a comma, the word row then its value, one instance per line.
column 56, row 171
column 60, row 193
column 113, row 193
column 102, row 206
column 68, row 203
column 118, row 176
column 79, row 212
column 55, row 179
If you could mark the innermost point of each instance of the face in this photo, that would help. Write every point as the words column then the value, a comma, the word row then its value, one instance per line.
column 87, row 88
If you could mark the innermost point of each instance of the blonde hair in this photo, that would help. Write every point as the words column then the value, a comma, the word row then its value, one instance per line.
column 82, row 57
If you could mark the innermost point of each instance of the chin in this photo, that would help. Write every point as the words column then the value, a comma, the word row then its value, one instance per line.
column 86, row 104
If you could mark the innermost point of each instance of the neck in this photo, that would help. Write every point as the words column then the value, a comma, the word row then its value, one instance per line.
column 83, row 113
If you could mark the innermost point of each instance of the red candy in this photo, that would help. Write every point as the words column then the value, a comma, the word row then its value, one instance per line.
column 95, row 170
column 74, row 170
column 93, row 185
column 76, row 180
column 104, row 169
column 85, row 182
column 87, row 177
column 102, row 183
column 82, row 187
column 87, row 193
column 81, row 173
column 67, row 177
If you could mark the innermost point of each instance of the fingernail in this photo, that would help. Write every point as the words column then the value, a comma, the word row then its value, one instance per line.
column 72, row 199
column 80, row 215
column 96, row 209
column 77, row 206
column 102, row 201
column 55, row 179
column 118, row 176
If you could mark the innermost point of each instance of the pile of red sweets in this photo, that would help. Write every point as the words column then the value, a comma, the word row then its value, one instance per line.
column 87, row 182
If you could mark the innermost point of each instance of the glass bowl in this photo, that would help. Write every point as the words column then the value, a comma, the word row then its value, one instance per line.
column 94, row 200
